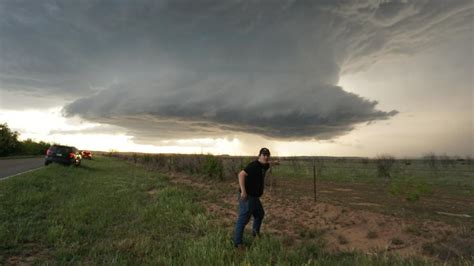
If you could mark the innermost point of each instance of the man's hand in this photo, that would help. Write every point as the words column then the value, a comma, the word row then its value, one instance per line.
column 243, row 195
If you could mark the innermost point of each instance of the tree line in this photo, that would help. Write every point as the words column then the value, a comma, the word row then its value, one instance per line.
column 10, row 145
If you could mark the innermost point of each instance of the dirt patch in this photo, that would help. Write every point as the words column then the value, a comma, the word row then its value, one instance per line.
column 365, row 204
column 455, row 214
column 345, row 229
column 325, row 191
column 344, row 189
column 341, row 227
column 32, row 252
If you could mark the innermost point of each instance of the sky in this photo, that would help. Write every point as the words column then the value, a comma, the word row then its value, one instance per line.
column 326, row 78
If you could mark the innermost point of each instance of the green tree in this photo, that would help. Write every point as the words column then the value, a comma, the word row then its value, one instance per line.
column 30, row 147
column 8, row 140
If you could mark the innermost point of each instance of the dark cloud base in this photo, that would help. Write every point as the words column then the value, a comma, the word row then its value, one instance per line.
column 321, row 113
column 177, row 69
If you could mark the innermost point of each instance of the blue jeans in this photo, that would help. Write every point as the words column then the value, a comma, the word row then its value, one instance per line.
column 249, row 207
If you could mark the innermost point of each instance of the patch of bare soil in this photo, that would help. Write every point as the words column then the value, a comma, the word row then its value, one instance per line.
column 365, row 204
column 32, row 253
column 340, row 227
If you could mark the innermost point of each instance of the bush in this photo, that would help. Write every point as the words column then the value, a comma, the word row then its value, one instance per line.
column 365, row 160
column 112, row 153
column 159, row 161
column 406, row 161
column 431, row 159
column 213, row 167
column 146, row 158
column 8, row 140
column 29, row 147
column 384, row 165
column 232, row 167
column 446, row 161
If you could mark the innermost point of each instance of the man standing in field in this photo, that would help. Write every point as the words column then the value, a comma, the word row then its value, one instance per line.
column 251, row 182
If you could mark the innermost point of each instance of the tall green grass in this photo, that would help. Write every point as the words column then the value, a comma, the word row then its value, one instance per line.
column 109, row 211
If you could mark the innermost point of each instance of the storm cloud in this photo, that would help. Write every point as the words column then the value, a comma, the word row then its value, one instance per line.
column 181, row 69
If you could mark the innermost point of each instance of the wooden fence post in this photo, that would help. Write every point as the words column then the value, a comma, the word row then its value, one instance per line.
column 314, row 177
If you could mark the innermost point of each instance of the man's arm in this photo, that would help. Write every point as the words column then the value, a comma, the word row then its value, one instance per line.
column 243, row 193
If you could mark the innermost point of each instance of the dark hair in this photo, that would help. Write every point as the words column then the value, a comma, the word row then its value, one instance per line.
column 264, row 151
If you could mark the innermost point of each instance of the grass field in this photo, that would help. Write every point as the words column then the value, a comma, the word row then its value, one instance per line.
column 459, row 174
column 414, row 190
column 110, row 211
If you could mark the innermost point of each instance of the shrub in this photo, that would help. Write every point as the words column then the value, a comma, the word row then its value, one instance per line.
column 112, row 153
column 446, row 161
column 406, row 161
column 159, row 161
column 146, row 158
column 213, row 167
column 30, row 147
column 8, row 140
column 232, row 167
column 384, row 165
column 469, row 160
column 431, row 159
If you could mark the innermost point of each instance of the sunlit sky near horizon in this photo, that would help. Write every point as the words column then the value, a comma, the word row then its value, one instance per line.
column 328, row 78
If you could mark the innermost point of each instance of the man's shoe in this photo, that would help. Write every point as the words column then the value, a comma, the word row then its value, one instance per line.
column 255, row 234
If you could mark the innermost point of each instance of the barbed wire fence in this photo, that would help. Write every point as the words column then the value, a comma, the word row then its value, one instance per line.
column 303, row 170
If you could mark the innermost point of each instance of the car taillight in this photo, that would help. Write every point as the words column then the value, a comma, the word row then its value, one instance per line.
column 71, row 155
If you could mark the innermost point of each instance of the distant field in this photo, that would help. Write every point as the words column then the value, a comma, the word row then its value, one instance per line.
column 451, row 173
column 415, row 188
column 114, row 211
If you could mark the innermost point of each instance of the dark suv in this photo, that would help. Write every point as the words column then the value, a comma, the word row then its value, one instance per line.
column 62, row 154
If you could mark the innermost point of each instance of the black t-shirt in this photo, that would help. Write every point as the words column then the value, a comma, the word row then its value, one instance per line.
column 254, row 181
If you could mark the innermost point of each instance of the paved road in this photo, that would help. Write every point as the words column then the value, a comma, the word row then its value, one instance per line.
column 11, row 167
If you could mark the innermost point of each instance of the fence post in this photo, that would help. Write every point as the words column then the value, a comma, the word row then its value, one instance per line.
column 314, row 177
